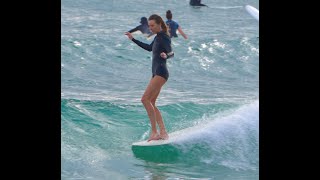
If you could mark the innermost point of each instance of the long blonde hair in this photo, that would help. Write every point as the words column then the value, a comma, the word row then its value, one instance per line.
column 160, row 21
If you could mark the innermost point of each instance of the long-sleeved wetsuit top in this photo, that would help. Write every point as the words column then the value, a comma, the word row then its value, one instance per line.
column 144, row 28
column 161, row 43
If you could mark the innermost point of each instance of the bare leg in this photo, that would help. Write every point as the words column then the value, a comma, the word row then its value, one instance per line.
column 163, row 132
column 154, row 86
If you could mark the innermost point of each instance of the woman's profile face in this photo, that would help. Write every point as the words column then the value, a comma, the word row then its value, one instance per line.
column 153, row 26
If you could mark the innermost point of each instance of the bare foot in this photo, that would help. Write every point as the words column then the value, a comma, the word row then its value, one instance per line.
column 164, row 136
column 154, row 137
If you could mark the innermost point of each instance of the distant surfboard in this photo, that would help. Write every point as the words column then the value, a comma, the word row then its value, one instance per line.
column 253, row 11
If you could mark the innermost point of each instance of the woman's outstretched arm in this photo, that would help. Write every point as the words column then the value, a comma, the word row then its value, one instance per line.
column 145, row 46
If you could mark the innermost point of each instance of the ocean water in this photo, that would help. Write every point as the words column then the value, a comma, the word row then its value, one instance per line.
column 212, row 94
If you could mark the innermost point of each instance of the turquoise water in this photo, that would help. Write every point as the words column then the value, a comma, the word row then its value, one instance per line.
column 213, row 90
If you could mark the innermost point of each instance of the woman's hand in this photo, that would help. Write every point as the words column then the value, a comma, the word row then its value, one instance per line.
column 129, row 35
column 163, row 55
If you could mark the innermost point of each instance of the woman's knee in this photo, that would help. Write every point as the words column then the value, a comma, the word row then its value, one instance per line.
column 145, row 100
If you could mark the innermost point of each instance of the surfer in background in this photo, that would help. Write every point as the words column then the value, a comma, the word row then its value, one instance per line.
column 174, row 26
column 196, row 3
column 143, row 27
column 161, row 51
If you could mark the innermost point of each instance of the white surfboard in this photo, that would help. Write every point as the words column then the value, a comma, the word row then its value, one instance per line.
column 139, row 33
column 174, row 137
column 253, row 11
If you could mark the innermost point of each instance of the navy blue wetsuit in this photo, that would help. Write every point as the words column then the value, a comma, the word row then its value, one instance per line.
column 173, row 26
column 161, row 43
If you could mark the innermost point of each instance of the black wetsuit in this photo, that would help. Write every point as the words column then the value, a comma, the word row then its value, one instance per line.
column 161, row 43
column 144, row 28
column 196, row 3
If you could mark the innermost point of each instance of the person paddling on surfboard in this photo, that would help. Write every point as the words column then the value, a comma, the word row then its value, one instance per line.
column 161, row 51
column 196, row 3
column 143, row 27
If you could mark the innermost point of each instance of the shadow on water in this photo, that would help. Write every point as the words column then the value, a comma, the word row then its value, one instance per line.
column 159, row 154
column 160, row 162
column 173, row 153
